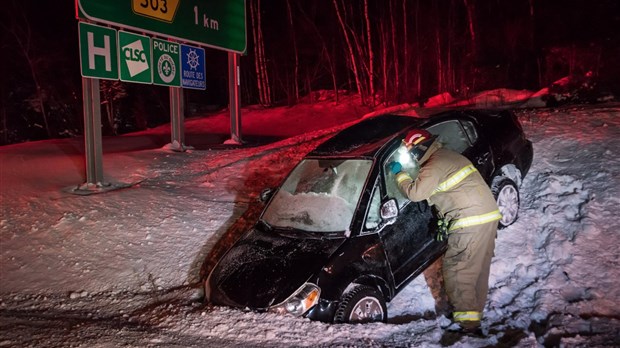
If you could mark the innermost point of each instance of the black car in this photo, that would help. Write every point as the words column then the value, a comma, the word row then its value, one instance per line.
column 337, row 240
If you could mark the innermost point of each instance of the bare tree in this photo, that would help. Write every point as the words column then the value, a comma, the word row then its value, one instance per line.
column 384, row 61
column 262, row 76
column 470, row 8
column 326, row 54
column 296, row 53
column 371, row 60
column 21, row 31
column 112, row 91
column 418, row 64
column 395, row 54
column 351, row 51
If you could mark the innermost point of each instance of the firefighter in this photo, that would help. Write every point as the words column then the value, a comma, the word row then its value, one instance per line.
column 468, row 218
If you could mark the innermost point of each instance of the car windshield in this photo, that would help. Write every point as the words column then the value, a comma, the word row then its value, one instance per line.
column 319, row 195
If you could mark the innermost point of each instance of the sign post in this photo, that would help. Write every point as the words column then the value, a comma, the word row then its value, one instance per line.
column 177, row 116
column 233, row 97
column 92, row 134
column 98, row 59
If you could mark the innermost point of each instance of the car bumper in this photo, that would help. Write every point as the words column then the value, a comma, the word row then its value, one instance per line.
column 323, row 311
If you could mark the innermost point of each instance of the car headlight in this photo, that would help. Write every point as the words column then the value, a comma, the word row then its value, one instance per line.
column 300, row 301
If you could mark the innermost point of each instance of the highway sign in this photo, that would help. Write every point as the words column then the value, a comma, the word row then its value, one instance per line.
column 98, row 52
column 163, row 10
column 214, row 23
column 134, row 57
column 166, row 67
column 193, row 67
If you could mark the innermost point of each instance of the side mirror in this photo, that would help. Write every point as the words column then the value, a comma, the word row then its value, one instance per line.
column 265, row 195
column 389, row 210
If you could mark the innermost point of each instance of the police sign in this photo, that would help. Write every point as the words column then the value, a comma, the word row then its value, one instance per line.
column 166, row 67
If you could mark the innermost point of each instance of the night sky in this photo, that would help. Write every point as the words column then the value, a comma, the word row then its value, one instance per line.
column 514, row 50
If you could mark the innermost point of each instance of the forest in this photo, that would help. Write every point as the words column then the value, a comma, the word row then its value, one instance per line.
column 388, row 51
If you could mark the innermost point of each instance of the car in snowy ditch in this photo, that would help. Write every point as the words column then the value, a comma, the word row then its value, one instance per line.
column 337, row 240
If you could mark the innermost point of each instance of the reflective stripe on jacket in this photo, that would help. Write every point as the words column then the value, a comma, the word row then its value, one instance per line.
column 467, row 316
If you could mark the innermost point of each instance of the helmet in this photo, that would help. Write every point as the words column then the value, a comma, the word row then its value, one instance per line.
column 418, row 141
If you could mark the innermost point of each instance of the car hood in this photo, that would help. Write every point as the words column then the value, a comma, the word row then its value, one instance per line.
column 264, row 268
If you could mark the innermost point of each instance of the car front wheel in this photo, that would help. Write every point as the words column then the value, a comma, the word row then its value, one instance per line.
column 506, row 194
column 362, row 304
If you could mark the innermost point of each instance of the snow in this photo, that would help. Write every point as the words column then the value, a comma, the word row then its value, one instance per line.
column 123, row 268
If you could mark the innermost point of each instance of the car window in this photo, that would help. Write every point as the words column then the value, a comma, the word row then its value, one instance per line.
column 402, row 156
column 373, row 218
column 470, row 130
column 452, row 135
column 319, row 195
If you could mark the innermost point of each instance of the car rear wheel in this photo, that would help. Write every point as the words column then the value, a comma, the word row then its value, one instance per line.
column 506, row 194
column 362, row 304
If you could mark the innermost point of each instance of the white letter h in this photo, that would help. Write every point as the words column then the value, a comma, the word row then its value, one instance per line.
column 99, row 51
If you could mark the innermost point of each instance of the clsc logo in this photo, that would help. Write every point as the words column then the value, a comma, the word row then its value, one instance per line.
column 135, row 57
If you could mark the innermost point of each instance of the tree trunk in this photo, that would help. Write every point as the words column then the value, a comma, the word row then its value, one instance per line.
column 405, row 48
column 326, row 53
column 261, row 95
column 263, row 60
column 418, row 64
column 395, row 51
column 296, row 67
column 262, row 78
column 371, row 59
column 351, row 54
column 471, row 11
column 440, row 82
column 24, row 45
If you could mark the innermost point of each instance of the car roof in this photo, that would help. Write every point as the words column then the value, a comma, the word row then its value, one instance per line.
column 367, row 137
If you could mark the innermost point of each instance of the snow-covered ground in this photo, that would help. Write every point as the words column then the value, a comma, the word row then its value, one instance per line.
column 122, row 268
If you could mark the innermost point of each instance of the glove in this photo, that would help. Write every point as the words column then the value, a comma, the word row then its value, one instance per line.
column 395, row 167
column 443, row 229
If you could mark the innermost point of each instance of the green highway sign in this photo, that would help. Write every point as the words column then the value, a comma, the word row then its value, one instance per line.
column 166, row 63
column 134, row 57
column 98, row 52
column 219, row 24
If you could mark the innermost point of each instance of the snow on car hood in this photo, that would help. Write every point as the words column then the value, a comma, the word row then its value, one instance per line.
column 265, row 267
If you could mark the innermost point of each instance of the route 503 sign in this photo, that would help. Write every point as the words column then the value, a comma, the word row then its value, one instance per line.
column 163, row 10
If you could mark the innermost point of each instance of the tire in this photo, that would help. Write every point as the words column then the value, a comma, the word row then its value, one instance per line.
column 506, row 195
column 362, row 304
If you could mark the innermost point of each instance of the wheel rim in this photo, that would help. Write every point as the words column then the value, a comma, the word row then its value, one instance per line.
column 365, row 310
column 508, row 202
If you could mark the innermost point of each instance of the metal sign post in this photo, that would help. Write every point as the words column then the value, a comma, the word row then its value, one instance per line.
column 92, row 134
column 177, row 115
column 234, row 100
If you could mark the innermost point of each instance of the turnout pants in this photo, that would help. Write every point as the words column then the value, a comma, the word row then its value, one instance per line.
column 466, row 268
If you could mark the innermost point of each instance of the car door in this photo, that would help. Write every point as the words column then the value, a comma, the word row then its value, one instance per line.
column 409, row 241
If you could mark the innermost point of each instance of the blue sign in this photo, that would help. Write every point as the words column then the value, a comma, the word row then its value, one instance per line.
column 193, row 67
